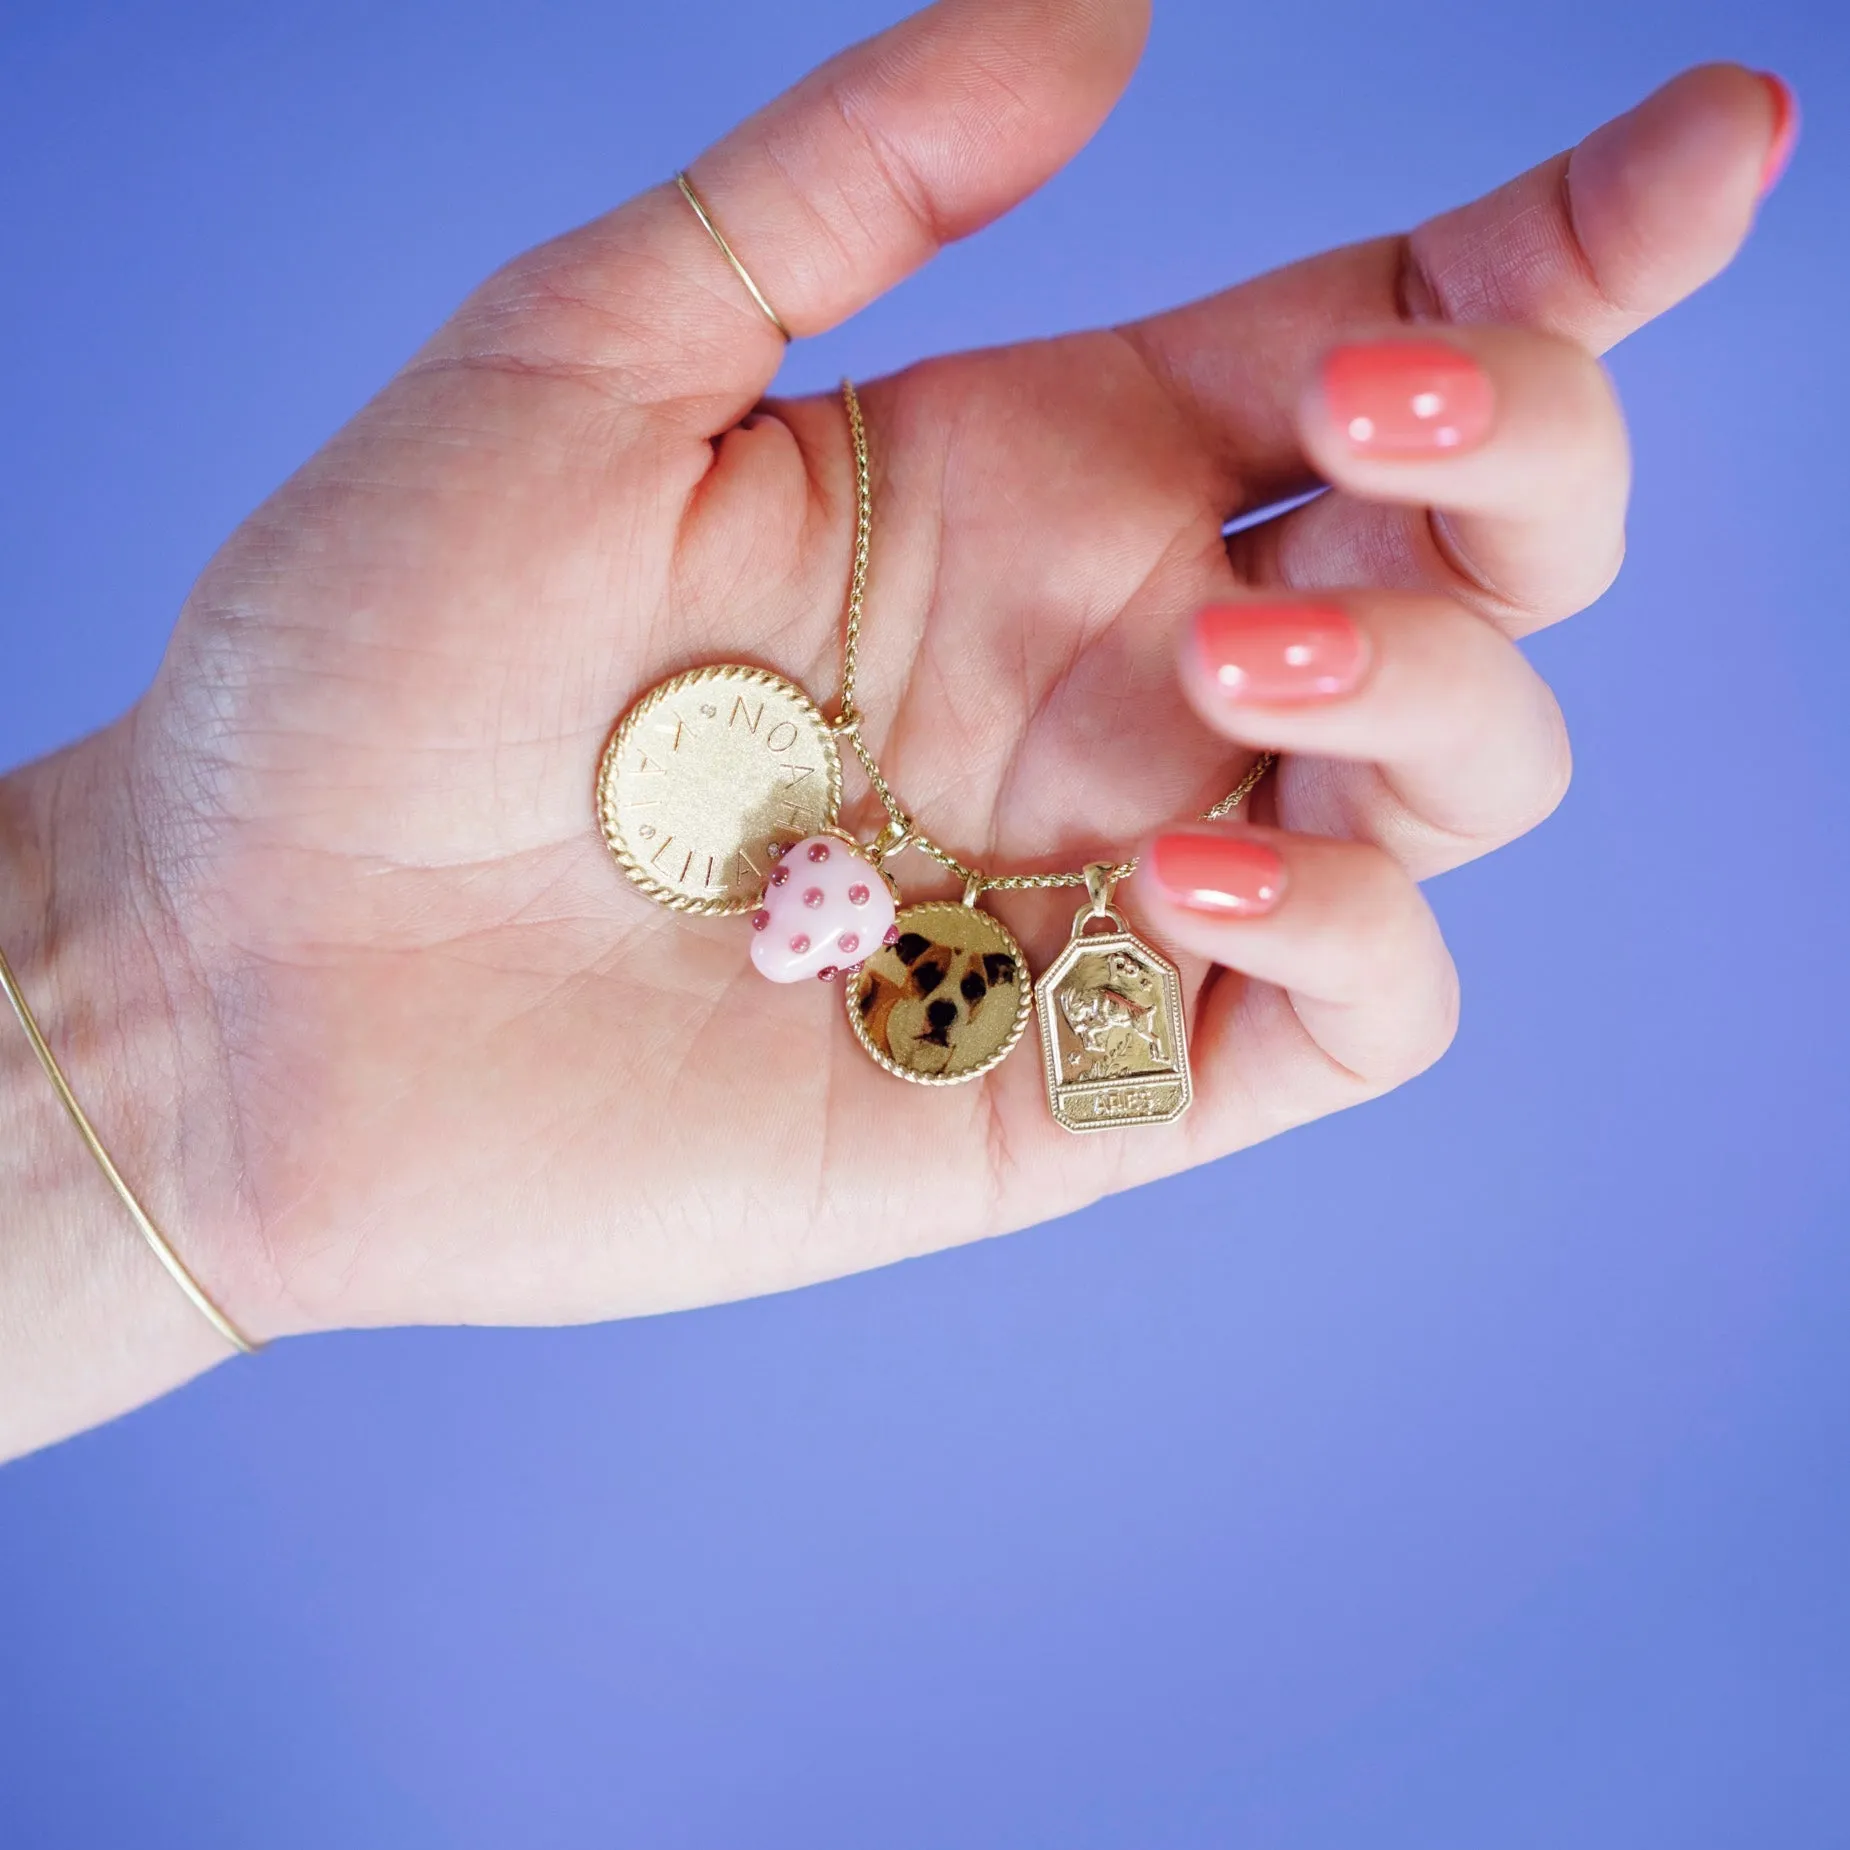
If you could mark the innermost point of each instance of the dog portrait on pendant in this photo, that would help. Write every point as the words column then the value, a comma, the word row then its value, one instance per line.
column 946, row 999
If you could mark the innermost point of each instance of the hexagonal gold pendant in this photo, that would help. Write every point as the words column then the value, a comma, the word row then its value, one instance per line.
column 1114, row 1035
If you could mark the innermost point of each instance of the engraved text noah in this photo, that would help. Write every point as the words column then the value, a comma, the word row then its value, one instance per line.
column 707, row 775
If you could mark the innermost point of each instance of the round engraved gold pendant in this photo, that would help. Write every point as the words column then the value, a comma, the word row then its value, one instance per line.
column 946, row 998
column 708, row 777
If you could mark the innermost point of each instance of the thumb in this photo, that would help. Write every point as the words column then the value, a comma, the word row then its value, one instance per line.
column 829, row 196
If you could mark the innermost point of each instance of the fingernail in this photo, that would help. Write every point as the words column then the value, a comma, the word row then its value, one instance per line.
column 1408, row 397
column 1280, row 653
column 1234, row 876
column 1785, row 130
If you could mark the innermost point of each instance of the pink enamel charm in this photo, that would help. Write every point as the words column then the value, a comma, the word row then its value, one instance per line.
column 826, row 908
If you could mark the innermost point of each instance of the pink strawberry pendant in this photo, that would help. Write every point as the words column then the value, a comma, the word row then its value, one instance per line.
column 826, row 907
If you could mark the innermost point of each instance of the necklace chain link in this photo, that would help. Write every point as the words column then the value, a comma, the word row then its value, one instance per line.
column 902, row 831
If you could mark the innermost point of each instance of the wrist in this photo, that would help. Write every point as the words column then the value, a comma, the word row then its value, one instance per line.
column 90, row 1322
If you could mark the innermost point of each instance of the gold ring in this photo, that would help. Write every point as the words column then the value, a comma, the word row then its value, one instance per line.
column 725, row 250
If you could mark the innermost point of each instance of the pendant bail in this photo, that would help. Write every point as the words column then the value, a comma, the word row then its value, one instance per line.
column 1101, row 883
column 896, row 834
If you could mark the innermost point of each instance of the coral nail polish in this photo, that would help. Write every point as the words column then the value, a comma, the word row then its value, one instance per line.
column 1234, row 876
column 1785, row 130
column 1280, row 654
column 1408, row 398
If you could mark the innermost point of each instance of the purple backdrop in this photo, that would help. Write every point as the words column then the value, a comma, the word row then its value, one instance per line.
column 1466, row 1471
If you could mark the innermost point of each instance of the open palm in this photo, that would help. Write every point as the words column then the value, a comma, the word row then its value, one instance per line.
column 465, row 1071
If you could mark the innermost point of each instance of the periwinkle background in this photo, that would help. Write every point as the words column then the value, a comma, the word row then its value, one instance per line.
column 1467, row 1471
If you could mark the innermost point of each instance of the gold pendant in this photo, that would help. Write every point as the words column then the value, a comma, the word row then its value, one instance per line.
column 1114, row 1036
column 946, row 998
column 708, row 778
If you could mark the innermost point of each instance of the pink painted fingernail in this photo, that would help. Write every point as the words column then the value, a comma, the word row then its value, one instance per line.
column 1234, row 876
column 1280, row 654
column 1408, row 398
column 1785, row 130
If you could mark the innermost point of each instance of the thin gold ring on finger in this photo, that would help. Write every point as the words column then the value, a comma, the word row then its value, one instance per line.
column 725, row 250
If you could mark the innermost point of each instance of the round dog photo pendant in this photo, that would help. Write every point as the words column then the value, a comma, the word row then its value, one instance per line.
column 709, row 778
column 946, row 999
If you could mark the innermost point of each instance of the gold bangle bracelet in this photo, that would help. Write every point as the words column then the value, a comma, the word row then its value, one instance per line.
column 157, row 1240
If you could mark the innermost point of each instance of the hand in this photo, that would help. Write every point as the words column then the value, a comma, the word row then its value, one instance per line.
column 440, row 1061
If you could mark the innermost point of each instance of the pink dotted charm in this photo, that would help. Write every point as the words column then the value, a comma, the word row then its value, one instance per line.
column 817, row 929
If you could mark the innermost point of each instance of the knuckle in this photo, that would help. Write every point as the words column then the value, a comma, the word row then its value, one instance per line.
column 1562, row 404
column 1384, row 920
column 905, row 189
column 1583, row 384
column 1433, row 1029
column 1394, row 964
column 1551, row 774
column 1566, row 377
column 538, row 318
column 1581, row 405
column 1457, row 648
column 1603, row 574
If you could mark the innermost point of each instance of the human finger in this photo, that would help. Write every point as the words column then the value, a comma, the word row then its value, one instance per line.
column 828, row 196
column 1410, row 722
column 1340, row 927
column 1490, row 464
column 1590, row 245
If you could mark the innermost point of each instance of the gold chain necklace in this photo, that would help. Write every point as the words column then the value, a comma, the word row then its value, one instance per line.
column 719, row 792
